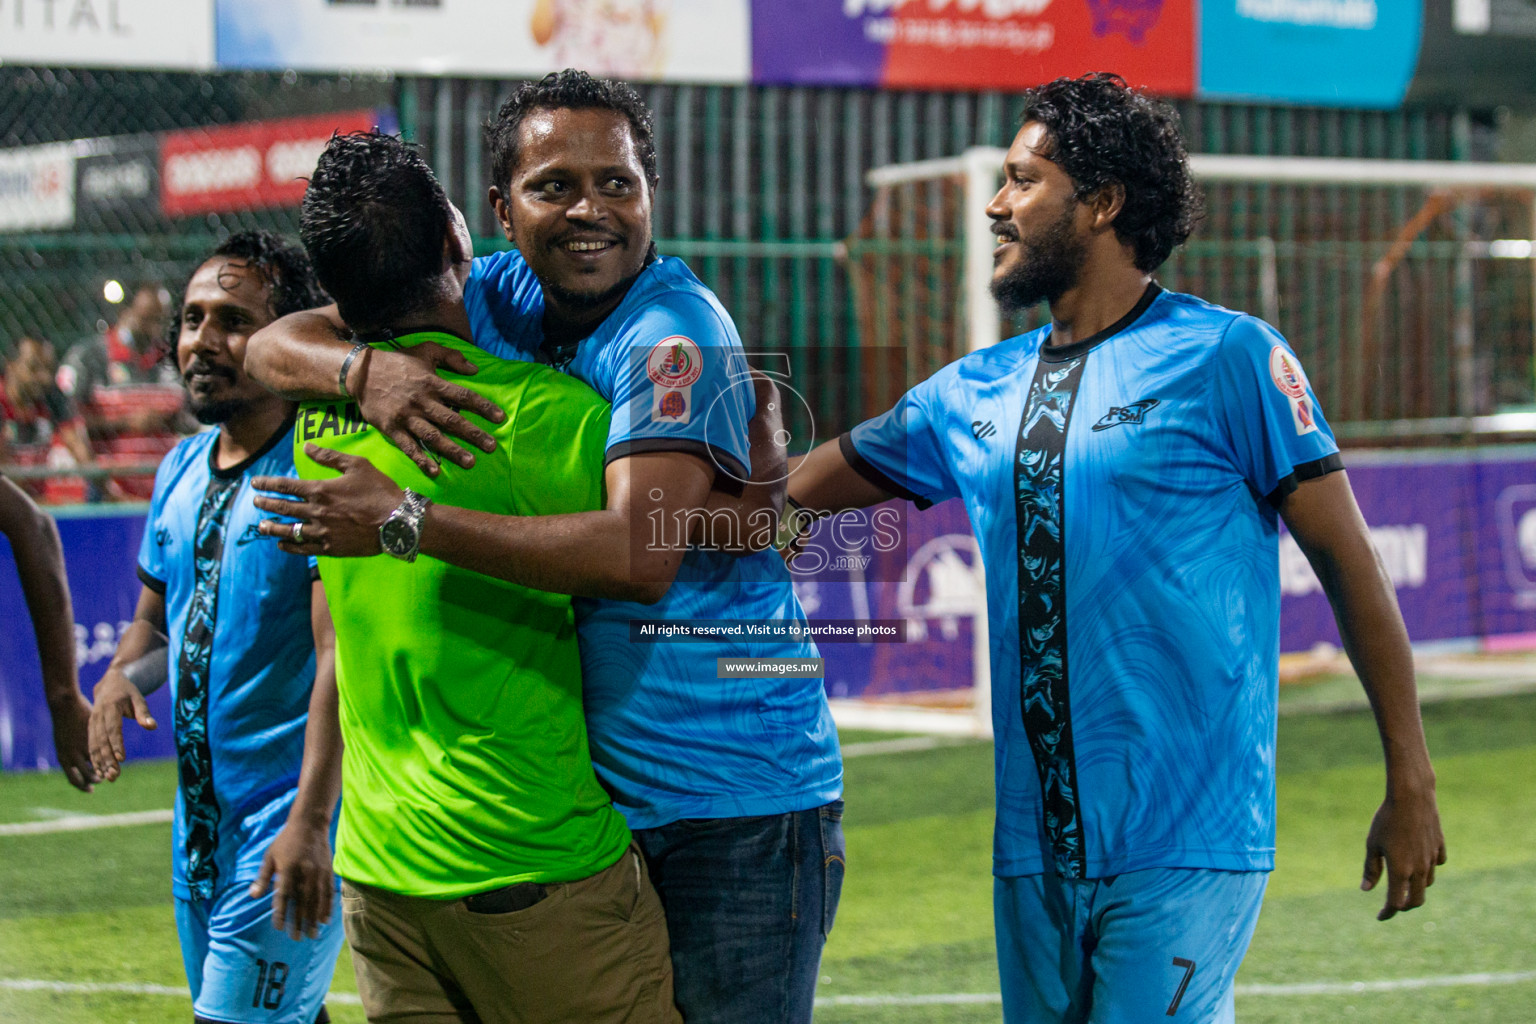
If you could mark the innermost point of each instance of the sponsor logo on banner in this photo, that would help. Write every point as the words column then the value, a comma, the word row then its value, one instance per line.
column 1515, row 511
column 117, row 184
column 240, row 166
column 973, row 44
column 674, row 362
column 1404, row 552
column 115, row 33
column 672, row 405
column 37, row 187
column 1515, row 18
column 1359, row 14
column 1355, row 53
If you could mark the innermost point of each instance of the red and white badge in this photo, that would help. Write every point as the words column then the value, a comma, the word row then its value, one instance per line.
column 674, row 362
column 1285, row 370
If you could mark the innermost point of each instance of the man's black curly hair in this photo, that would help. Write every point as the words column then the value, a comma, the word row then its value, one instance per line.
column 374, row 221
column 1101, row 132
column 568, row 90
column 291, row 282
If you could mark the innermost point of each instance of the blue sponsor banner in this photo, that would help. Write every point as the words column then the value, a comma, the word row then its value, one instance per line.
column 101, row 553
column 1345, row 53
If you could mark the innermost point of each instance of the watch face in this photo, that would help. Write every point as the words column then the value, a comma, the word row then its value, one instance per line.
column 397, row 536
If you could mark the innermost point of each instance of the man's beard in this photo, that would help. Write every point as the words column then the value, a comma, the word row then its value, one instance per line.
column 1047, row 266
column 212, row 412
column 580, row 301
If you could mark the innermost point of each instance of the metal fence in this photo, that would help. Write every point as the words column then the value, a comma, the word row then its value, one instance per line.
column 763, row 192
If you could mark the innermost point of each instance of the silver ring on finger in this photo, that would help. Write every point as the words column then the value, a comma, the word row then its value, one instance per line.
column 297, row 536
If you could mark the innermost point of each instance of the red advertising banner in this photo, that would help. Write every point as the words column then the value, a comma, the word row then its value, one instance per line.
column 973, row 44
column 243, row 166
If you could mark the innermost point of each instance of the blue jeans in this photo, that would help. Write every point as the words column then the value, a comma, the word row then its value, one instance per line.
column 749, row 903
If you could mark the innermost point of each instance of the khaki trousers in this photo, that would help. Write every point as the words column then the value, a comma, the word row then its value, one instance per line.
column 590, row 952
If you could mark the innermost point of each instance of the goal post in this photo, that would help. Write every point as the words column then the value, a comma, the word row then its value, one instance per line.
column 1407, row 287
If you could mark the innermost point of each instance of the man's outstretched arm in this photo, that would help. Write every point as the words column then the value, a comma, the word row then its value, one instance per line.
column 40, row 563
column 1323, row 517
column 301, row 356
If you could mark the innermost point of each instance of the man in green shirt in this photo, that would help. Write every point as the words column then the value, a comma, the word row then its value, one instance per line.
column 486, row 874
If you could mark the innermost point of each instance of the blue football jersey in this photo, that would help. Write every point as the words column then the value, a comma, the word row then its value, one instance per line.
column 1124, row 491
column 668, row 738
column 242, row 659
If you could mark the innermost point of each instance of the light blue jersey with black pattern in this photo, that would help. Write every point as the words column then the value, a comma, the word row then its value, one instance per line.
column 668, row 738
column 1124, row 493
column 242, row 659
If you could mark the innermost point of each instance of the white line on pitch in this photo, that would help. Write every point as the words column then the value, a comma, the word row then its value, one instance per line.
column 128, row 988
column 1327, row 988
column 900, row 745
column 85, row 822
column 1345, row 988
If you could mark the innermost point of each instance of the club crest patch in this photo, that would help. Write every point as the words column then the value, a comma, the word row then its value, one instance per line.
column 674, row 362
column 1285, row 371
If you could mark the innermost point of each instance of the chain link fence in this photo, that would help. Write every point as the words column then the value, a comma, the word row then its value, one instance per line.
column 763, row 193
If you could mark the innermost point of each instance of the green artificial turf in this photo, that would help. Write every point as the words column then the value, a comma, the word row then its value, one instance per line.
column 94, row 907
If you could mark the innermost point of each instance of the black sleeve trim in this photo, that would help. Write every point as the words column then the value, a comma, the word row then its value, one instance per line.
column 721, row 458
column 865, row 469
column 314, row 574
column 1301, row 474
column 158, row 586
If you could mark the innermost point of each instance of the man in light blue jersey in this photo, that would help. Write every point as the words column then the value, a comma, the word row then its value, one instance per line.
column 1125, row 469
column 731, row 786
column 248, row 630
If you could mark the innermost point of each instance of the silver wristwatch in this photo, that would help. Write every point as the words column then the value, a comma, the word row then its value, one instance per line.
column 400, row 535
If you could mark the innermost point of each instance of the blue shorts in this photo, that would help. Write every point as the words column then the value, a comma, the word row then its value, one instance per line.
column 244, row 971
column 1160, row 945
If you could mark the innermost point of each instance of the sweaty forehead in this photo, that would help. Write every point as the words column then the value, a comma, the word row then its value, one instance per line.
column 1033, row 140
column 566, row 136
column 225, row 280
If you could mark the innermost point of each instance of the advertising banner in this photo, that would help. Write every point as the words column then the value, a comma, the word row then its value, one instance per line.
column 108, row 33
column 37, row 187
column 972, row 44
column 1475, row 52
column 250, row 165
column 1496, row 18
column 1348, row 53
column 100, row 553
column 1456, row 535
column 117, row 183
column 676, row 40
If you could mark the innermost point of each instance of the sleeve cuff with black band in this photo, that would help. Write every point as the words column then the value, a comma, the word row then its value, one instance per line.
column 1301, row 474
column 158, row 586
column 863, row 467
column 734, row 473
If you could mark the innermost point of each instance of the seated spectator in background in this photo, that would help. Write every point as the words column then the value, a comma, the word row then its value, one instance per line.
column 127, row 389
column 36, row 419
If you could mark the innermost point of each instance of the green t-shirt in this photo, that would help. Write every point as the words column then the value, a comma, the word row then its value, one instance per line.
column 466, row 764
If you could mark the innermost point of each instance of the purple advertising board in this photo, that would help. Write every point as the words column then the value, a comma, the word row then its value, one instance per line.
column 101, row 546
column 1456, row 532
